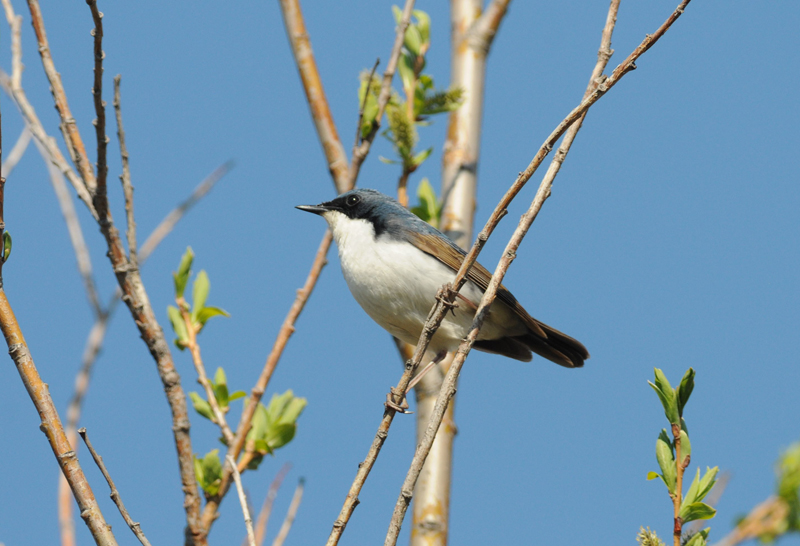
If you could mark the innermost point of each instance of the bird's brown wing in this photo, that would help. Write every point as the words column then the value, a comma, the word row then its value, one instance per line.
column 542, row 339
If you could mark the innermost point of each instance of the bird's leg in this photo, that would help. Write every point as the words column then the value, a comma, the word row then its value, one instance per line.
column 401, row 406
column 417, row 378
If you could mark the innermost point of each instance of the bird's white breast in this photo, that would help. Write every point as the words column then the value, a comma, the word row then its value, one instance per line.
column 396, row 283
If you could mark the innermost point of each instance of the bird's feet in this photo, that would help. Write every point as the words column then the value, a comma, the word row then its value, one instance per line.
column 397, row 401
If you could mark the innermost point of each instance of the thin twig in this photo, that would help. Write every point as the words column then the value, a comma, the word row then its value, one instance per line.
column 360, row 152
column 125, row 177
column 13, row 157
column 69, row 129
column 448, row 387
column 82, row 256
column 51, row 423
column 290, row 514
column 202, row 378
column 364, row 102
column 15, row 25
column 248, row 522
column 766, row 519
column 115, row 496
column 269, row 500
column 678, row 495
column 315, row 94
column 285, row 332
column 100, row 200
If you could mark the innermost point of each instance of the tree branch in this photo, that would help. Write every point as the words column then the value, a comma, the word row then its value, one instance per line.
column 100, row 199
column 290, row 514
column 16, row 152
column 115, row 496
column 125, row 177
column 248, row 522
column 448, row 388
column 315, row 94
column 266, row 508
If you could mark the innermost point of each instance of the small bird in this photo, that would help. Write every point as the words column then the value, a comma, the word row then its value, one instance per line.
column 394, row 264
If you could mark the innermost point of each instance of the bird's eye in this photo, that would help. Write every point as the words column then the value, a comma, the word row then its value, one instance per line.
column 353, row 200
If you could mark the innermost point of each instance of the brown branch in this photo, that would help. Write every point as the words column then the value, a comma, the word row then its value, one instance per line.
column 269, row 500
column 767, row 518
column 360, row 152
column 100, row 200
column 115, row 496
column 678, row 495
column 69, row 128
column 486, row 26
column 248, row 522
column 125, row 177
column 437, row 313
column 315, row 94
column 12, row 158
column 290, row 514
column 285, row 332
column 133, row 289
column 51, row 423
column 202, row 378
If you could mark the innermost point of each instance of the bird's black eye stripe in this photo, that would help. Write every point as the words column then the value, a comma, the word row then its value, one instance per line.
column 352, row 200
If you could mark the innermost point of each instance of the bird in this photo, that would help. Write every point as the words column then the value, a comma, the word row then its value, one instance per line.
column 394, row 264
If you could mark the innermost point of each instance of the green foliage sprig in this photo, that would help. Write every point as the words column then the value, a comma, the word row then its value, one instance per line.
column 673, row 457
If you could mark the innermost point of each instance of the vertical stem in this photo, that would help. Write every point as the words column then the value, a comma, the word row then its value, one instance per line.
column 676, row 498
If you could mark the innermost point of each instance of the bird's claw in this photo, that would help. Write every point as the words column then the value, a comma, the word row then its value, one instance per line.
column 401, row 407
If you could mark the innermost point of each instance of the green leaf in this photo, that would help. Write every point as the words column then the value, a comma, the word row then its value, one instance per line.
column 707, row 483
column 255, row 461
column 666, row 461
column 429, row 208
column 181, row 277
column 220, row 386
column 441, row 101
column 280, row 435
column 423, row 25
column 699, row 538
column 653, row 475
column 258, row 428
column 696, row 510
column 178, row 326
column 207, row 312
column 201, row 406
column 685, row 389
column 199, row 293
column 371, row 104
column 211, row 472
column 6, row 246
column 398, row 14
column 236, row 395
column 418, row 159
column 686, row 446
column 691, row 495
column 388, row 161
column 405, row 67
column 666, row 394
column 413, row 40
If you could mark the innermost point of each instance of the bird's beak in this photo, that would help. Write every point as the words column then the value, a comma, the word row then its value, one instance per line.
column 316, row 209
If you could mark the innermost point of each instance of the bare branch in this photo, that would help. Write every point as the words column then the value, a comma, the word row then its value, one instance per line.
column 448, row 388
column 69, row 128
column 485, row 28
column 15, row 25
column 115, row 496
column 75, row 231
column 315, row 94
column 100, row 199
column 248, row 522
column 16, row 152
column 266, row 508
column 125, row 177
column 51, row 424
column 290, row 514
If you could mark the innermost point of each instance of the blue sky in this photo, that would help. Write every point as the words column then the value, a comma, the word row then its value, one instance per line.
column 670, row 240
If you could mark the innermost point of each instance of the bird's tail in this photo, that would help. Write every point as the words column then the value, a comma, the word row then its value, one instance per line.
column 558, row 347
